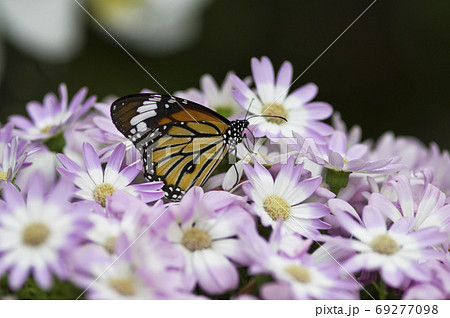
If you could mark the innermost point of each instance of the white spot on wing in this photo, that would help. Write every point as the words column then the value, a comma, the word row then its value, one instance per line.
column 141, row 117
column 146, row 108
column 141, row 126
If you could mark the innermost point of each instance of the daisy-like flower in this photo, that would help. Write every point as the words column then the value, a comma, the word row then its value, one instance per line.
column 158, row 27
column 296, row 274
column 143, row 272
column 97, row 185
column 439, row 162
column 438, row 287
column 36, row 232
column 265, row 155
column 409, row 150
column 135, row 263
column 429, row 210
column 341, row 157
column 272, row 99
column 395, row 252
column 53, row 115
column 124, row 215
column 105, row 132
column 12, row 155
column 205, row 227
column 283, row 198
column 220, row 98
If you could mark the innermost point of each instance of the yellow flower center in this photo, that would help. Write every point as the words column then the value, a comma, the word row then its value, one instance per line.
column 277, row 207
column 123, row 286
column 110, row 244
column 3, row 175
column 300, row 273
column 383, row 244
column 101, row 192
column 46, row 129
column 195, row 239
column 35, row 234
column 275, row 110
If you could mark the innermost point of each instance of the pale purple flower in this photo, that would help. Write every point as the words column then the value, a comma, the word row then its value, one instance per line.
column 439, row 163
column 147, row 269
column 124, row 215
column 284, row 198
column 75, row 136
column 438, row 287
column 129, row 258
column 262, row 151
column 219, row 98
column 36, row 232
column 205, row 227
column 428, row 210
column 353, row 135
column 409, row 150
column 105, row 133
column 340, row 157
column 272, row 98
column 96, row 184
column 394, row 251
column 12, row 155
column 43, row 161
column 296, row 274
column 53, row 115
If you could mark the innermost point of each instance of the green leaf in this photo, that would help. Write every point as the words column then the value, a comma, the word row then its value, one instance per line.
column 56, row 143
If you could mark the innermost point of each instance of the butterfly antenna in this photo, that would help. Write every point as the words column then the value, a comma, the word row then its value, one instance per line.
column 248, row 109
column 268, row 116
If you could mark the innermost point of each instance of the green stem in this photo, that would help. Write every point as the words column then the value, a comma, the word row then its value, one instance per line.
column 382, row 290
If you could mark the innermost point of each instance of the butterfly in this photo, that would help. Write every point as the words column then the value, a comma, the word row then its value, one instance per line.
column 181, row 142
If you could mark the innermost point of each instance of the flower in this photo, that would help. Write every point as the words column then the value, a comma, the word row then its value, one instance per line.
column 283, row 198
column 272, row 99
column 296, row 274
column 353, row 159
column 205, row 227
column 439, row 163
column 36, row 232
column 97, row 185
column 438, row 287
column 219, row 98
column 429, row 210
column 105, row 132
column 48, row 30
column 395, row 252
column 133, row 263
column 148, row 270
column 409, row 150
column 152, row 26
column 12, row 155
column 262, row 151
column 53, row 115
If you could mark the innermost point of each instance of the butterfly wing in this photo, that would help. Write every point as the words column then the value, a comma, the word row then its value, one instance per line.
column 181, row 142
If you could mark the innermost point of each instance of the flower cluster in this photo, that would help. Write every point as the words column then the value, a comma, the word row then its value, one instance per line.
column 309, row 211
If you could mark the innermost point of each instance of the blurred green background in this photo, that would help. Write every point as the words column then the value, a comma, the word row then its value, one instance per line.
column 390, row 71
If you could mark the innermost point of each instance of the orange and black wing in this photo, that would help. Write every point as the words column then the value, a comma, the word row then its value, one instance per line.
column 181, row 142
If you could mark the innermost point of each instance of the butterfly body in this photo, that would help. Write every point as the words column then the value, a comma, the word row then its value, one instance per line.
column 181, row 142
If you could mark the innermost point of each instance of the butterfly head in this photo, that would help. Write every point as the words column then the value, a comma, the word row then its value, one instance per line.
column 233, row 135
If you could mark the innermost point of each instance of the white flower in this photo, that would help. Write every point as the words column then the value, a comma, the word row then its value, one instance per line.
column 35, row 234
column 283, row 198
